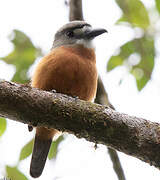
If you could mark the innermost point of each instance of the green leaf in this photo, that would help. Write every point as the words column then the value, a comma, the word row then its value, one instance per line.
column 141, row 79
column 142, row 71
column 145, row 47
column 134, row 12
column 26, row 150
column 158, row 5
column 114, row 62
column 3, row 125
column 125, row 51
column 22, row 56
column 53, row 149
column 14, row 174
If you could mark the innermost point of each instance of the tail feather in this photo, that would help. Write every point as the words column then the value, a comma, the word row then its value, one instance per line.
column 39, row 156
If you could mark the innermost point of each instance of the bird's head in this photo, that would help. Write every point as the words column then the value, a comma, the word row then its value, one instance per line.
column 76, row 32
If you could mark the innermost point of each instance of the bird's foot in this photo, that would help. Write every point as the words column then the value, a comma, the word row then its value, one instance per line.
column 53, row 91
column 95, row 146
column 30, row 128
column 75, row 97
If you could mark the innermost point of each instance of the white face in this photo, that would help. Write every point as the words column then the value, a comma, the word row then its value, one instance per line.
column 85, row 42
column 76, row 32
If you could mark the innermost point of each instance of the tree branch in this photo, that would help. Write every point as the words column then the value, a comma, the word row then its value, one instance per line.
column 134, row 136
column 75, row 12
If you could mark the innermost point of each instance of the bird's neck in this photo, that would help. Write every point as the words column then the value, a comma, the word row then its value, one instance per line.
column 80, row 50
column 86, row 43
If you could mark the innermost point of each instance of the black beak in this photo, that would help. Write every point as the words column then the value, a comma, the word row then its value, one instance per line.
column 93, row 33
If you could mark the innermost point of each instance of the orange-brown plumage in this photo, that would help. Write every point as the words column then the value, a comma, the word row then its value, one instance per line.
column 70, row 68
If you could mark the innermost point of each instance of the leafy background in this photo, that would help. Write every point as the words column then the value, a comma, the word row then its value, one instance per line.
column 137, row 56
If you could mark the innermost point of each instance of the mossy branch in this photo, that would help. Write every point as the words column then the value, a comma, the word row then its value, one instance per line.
column 100, row 124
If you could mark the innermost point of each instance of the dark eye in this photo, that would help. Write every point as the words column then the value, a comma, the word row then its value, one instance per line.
column 70, row 33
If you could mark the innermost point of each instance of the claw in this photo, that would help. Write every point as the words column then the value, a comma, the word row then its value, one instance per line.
column 30, row 128
column 53, row 91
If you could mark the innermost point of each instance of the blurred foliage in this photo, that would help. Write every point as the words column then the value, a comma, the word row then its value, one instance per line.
column 54, row 146
column 22, row 56
column 3, row 125
column 136, row 15
column 141, row 70
column 26, row 150
column 134, row 12
column 158, row 5
column 14, row 174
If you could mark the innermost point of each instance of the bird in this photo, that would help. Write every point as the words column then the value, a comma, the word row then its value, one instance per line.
column 69, row 68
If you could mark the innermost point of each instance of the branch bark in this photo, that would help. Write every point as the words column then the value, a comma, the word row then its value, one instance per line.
column 75, row 12
column 100, row 124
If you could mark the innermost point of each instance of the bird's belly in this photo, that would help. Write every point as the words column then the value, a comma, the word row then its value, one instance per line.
column 71, row 75
column 78, row 83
